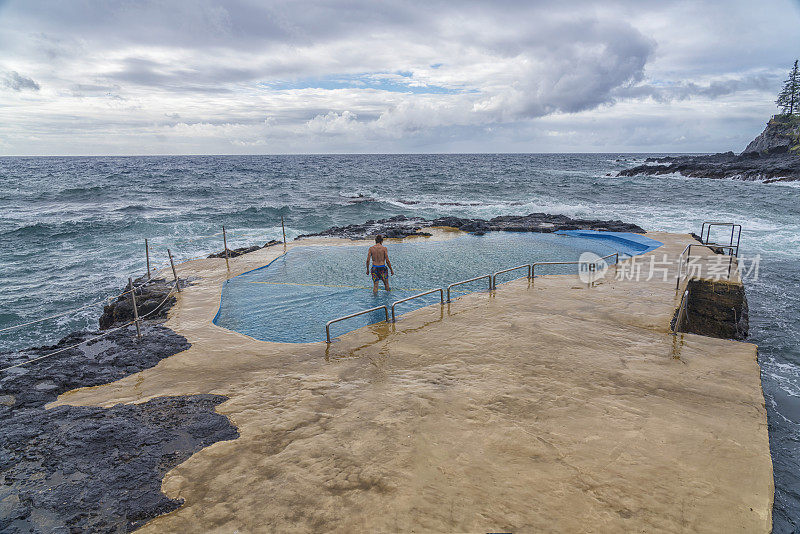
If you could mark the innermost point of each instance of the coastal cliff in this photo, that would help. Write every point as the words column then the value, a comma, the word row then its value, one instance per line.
column 781, row 135
column 773, row 156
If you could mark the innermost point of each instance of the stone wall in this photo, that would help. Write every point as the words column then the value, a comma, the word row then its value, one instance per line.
column 716, row 309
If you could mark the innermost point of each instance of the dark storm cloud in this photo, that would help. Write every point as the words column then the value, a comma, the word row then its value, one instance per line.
column 686, row 90
column 594, row 59
column 17, row 82
column 577, row 61
column 149, row 73
column 205, row 23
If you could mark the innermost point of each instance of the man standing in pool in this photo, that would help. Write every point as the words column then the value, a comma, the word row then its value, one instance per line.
column 380, row 260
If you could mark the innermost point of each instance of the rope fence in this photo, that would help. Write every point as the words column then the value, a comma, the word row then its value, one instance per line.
column 70, row 312
column 100, row 336
column 151, row 272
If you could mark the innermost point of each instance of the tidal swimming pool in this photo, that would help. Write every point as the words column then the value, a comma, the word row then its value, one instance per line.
column 292, row 298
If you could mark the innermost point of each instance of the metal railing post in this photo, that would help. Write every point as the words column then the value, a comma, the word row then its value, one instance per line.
column 174, row 272
column 680, row 264
column 135, row 311
column 147, row 255
column 225, row 244
column 738, row 240
column 732, row 229
column 681, row 312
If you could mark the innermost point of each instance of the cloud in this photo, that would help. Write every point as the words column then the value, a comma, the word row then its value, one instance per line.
column 17, row 82
column 333, row 123
column 713, row 89
column 337, row 75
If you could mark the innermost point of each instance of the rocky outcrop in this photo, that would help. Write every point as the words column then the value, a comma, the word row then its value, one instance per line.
column 243, row 250
column 782, row 133
column 402, row 226
column 110, row 358
column 771, row 157
column 752, row 166
column 150, row 302
column 91, row 469
column 394, row 227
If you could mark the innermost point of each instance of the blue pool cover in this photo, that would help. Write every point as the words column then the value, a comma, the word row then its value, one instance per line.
column 625, row 242
column 292, row 298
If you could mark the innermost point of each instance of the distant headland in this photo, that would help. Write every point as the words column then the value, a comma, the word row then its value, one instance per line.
column 773, row 156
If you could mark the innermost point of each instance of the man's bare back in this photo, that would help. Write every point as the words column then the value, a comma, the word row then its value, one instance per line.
column 378, row 253
column 379, row 256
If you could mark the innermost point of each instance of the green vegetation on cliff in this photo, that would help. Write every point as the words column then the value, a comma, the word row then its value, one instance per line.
column 789, row 127
column 789, row 97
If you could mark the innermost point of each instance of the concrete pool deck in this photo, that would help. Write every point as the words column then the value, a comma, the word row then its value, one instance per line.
column 548, row 406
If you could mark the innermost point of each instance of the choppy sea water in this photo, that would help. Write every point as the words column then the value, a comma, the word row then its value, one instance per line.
column 72, row 231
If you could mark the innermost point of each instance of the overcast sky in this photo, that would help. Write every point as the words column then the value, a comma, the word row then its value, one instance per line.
column 228, row 77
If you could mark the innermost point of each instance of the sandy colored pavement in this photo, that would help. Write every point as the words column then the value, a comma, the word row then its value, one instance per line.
column 541, row 407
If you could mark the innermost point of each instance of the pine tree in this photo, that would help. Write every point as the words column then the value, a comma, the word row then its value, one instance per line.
column 789, row 97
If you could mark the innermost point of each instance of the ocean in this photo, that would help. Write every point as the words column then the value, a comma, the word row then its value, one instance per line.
column 72, row 231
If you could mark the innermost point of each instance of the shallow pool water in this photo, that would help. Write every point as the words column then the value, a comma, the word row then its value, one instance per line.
column 291, row 299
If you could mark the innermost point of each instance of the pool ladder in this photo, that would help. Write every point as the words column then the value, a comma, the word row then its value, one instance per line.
column 705, row 241
column 531, row 267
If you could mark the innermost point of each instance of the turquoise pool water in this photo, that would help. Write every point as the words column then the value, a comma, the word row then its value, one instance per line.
column 291, row 299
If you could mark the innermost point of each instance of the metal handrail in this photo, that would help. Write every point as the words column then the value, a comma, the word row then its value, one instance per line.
column 616, row 257
column 329, row 323
column 489, row 276
column 688, row 252
column 681, row 309
column 494, row 276
column 714, row 223
column 533, row 265
column 492, row 285
column 732, row 248
column 395, row 303
column 680, row 264
column 705, row 237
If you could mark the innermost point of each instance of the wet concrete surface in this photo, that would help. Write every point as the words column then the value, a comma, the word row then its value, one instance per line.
column 544, row 405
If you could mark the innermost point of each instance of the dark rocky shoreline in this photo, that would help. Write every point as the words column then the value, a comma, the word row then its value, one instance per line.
column 232, row 253
column 769, row 168
column 773, row 156
column 78, row 469
column 402, row 226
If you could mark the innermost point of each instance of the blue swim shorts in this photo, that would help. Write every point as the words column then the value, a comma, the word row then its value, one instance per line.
column 379, row 272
